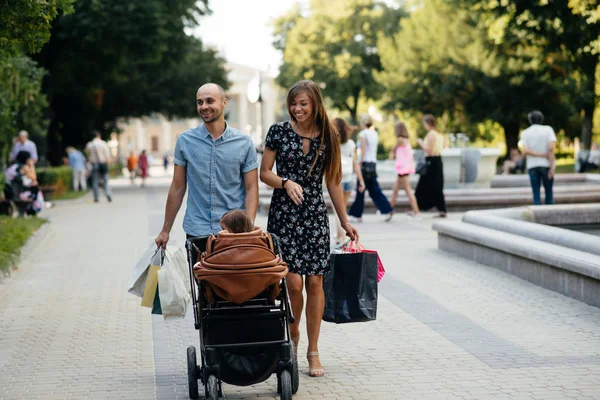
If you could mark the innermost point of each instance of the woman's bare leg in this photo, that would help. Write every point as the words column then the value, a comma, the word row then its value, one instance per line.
column 295, row 286
column 409, row 193
column 340, row 232
column 395, row 192
column 315, row 305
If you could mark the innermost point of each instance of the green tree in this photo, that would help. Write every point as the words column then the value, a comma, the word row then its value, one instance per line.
column 566, row 30
column 115, row 59
column 21, row 103
column 24, row 28
column 459, row 70
column 335, row 45
column 25, row 25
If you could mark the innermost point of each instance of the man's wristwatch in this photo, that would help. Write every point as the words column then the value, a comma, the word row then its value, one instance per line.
column 283, row 182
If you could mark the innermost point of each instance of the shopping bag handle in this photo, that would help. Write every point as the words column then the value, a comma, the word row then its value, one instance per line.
column 353, row 246
column 163, row 255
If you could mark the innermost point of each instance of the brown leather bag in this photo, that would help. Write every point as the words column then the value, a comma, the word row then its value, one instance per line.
column 239, row 266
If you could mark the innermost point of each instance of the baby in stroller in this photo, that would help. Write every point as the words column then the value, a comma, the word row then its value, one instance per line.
column 240, row 263
column 242, row 310
column 236, row 221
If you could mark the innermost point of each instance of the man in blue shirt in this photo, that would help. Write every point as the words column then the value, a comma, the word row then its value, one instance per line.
column 24, row 144
column 77, row 164
column 220, row 165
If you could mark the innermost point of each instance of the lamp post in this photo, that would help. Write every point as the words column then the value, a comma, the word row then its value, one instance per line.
column 254, row 94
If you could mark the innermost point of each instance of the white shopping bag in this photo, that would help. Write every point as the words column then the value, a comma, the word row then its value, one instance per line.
column 179, row 263
column 140, row 270
column 173, row 294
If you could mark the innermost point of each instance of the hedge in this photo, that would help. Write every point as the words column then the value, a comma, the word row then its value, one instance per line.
column 60, row 177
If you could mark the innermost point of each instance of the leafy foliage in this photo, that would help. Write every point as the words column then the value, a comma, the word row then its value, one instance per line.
column 567, row 33
column 335, row 45
column 20, row 99
column 459, row 70
column 25, row 25
column 114, row 59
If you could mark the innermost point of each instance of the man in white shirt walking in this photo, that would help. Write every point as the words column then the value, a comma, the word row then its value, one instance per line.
column 99, row 155
column 538, row 145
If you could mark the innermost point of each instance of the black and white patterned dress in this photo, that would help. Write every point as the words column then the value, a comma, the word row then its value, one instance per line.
column 303, row 229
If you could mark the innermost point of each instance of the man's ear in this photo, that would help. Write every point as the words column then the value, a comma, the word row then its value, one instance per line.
column 224, row 101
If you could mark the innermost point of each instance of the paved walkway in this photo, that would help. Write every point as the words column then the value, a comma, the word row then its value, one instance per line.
column 447, row 328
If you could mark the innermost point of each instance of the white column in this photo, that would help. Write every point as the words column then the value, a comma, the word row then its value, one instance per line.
column 166, row 134
column 243, row 108
column 140, row 135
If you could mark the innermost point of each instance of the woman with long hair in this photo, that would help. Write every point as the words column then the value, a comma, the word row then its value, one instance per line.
column 430, row 189
column 306, row 148
column 350, row 169
column 404, row 166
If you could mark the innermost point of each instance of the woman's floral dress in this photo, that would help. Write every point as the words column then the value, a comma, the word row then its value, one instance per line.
column 303, row 229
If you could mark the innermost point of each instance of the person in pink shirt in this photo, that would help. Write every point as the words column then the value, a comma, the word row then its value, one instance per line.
column 405, row 165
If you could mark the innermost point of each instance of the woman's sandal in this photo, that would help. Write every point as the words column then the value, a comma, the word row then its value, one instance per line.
column 314, row 372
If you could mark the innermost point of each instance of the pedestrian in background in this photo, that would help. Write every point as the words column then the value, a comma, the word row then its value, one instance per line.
column 77, row 162
column 404, row 166
column 369, row 140
column 430, row 189
column 99, row 155
column 350, row 170
column 143, row 167
column 24, row 144
column 538, row 145
column 132, row 166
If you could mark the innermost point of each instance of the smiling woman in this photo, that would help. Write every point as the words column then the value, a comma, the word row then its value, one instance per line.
column 306, row 150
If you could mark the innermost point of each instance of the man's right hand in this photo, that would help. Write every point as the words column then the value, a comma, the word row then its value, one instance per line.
column 162, row 239
column 551, row 173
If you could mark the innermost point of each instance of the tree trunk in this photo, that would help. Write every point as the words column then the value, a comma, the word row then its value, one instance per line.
column 511, row 136
column 54, row 148
column 586, row 126
column 589, row 68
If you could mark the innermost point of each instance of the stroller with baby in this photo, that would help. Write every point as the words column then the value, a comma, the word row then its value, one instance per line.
column 242, row 311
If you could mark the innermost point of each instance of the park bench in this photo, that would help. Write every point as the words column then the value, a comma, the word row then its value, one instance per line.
column 12, row 207
column 47, row 191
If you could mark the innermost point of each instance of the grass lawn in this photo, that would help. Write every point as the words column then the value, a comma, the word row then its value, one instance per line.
column 565, row 168
column 14, row 233
column 70, row 195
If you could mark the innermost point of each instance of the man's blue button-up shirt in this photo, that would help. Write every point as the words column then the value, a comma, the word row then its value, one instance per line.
column 215, row 175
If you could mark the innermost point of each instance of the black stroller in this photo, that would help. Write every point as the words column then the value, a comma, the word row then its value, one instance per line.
column 240, row 344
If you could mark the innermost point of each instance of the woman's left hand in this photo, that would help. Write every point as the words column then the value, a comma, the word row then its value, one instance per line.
column 351, row 231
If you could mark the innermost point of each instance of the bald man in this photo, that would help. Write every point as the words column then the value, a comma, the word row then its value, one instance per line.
column 219, row 165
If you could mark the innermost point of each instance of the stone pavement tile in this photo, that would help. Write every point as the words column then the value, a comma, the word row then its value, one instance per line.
column 447, row 328
column 67, row 322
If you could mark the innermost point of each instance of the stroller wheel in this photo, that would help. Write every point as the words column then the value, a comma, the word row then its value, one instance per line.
column 212, row 388
column 286, row 385
column 192, row 373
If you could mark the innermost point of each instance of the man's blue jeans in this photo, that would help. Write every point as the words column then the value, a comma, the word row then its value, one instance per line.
column 96, row 176
column 537, row 177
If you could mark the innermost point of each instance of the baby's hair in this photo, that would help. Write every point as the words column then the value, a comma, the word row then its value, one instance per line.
column 236, row 221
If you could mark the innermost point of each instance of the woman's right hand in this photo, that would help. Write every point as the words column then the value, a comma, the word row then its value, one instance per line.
column 294, row 192
column 361, row 186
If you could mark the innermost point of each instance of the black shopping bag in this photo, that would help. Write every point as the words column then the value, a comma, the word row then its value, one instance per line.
column 351, row 288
